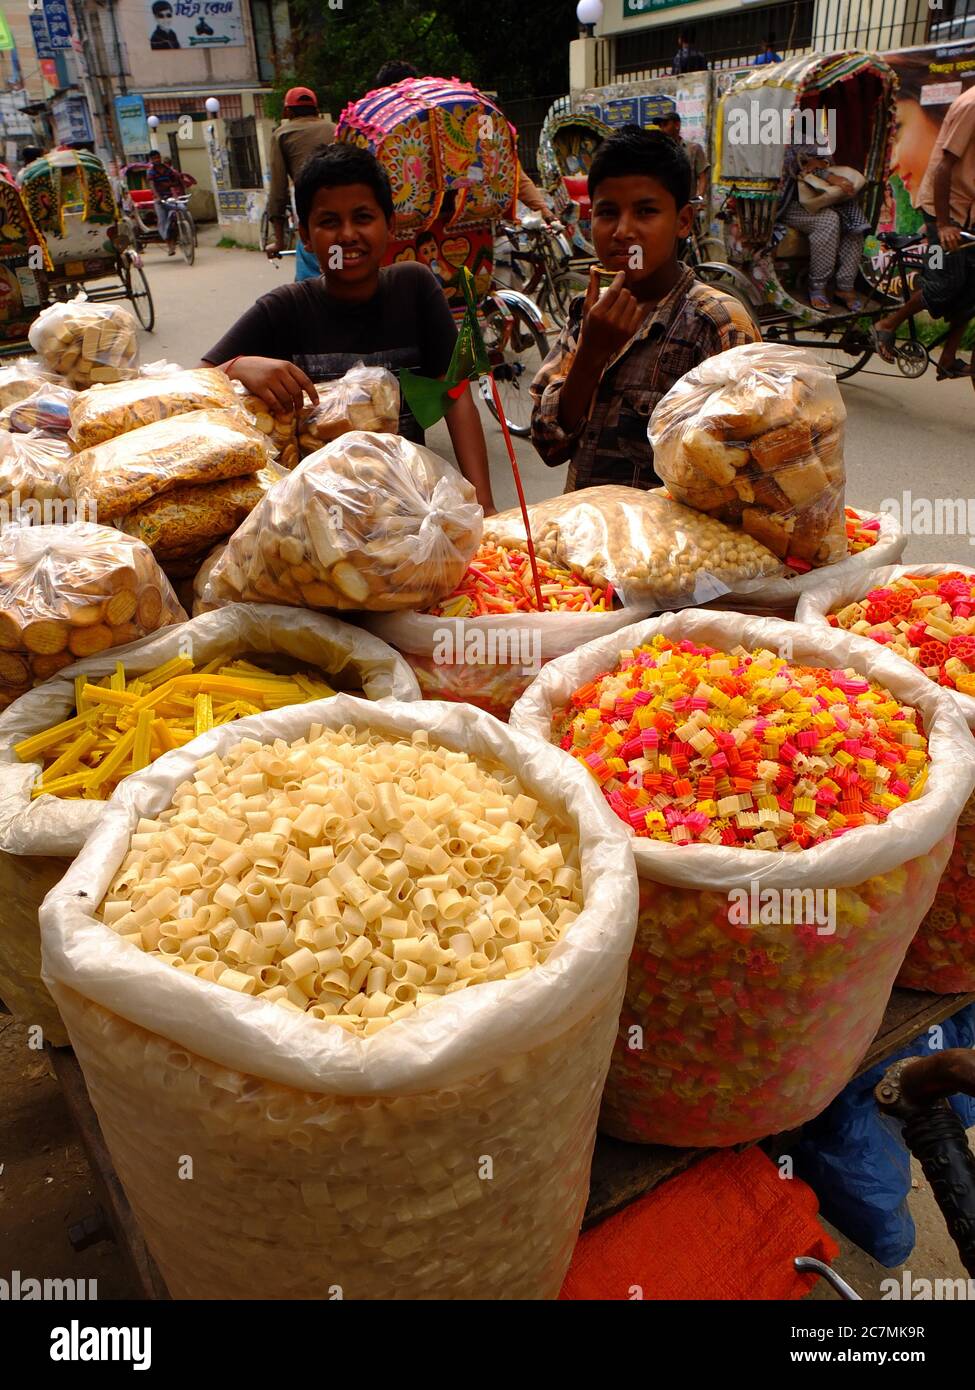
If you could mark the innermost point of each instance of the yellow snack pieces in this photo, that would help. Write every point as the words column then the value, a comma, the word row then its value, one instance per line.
column 121, row 726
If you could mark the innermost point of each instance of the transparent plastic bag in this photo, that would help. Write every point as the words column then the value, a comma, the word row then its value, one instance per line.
column 33, row 469
column 653, row 551
column 754, row 437
column 87, row 343
column 745, row 1030
column 104, row 412
column 280, row 426
column 373, row 1138
column 204, row 446
column 366, row 398
column 189, row 520
column 71, row 591
column 21, row 378
column 48, row 408
column 371, row 521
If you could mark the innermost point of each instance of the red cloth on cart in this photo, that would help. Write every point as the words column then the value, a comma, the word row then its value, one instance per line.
column 728, row 1228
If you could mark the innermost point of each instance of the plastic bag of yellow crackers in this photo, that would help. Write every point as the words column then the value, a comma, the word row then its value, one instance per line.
column 323, row 1159
column 71, row 591
column 188, row 520
column 103, row 412
column 371, row 521
column 760, row 977
column 86, row 343
column 366, row 398
column 205, row 446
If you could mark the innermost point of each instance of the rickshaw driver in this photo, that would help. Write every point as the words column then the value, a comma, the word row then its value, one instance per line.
column 165, row 182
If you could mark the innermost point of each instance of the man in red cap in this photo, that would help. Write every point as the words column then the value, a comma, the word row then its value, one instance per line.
column 301, row 134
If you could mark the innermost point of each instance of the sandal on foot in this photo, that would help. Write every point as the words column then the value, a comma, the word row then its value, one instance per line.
column 818, row 300
column 852, row 301
column 884, row 343
column 954, row 370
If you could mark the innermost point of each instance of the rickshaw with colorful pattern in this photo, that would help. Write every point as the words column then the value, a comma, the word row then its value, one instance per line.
column 452, row 161
column 850, row 96
column 24, row 265
column 70, row 200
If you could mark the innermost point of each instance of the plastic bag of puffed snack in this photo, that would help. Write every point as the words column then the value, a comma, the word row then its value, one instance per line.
column 71, row 591
column 204, row 446
column 650, row 548
column 754, row 437
column 371, row 521
column 104, row 412
column 86, row 343
column 21, row 378
column 47, row 408
column 33, row 469
column 366, row 398
column 189, row 520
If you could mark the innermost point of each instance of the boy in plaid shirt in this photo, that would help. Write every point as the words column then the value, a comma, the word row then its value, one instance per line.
column 622, row 350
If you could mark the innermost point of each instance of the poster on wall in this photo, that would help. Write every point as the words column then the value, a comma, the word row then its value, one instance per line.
column 930, row 80
column 194, row 24
column 130, row 117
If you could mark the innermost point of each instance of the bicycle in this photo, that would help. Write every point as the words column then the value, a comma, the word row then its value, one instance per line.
column 290, row 230
column 849, row 335
column 540, row 262
column 146, row 233
column 700, row 248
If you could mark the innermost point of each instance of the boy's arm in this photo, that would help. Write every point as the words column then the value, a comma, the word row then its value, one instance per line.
column 467, row 437
column 568, row 378
column 276, row 381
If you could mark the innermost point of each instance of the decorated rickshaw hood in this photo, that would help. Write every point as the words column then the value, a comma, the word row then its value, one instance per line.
column 436, row 136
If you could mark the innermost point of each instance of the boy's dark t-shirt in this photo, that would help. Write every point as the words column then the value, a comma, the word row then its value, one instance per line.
column 406, row 323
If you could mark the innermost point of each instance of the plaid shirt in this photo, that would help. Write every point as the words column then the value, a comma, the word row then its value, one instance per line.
column 610, row 444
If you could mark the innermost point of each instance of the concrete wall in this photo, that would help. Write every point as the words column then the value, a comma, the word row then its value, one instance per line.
column 149, row 70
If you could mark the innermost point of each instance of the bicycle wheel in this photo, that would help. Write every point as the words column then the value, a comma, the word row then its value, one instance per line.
column 138, row 291
column 187, row 241
column 566, row 285
column 523, row 349
column 265, row 229
column 845, row 347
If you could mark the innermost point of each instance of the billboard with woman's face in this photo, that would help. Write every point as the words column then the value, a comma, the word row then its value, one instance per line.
column 930, row 80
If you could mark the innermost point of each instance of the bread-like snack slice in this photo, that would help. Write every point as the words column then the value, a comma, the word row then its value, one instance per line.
column 712, row 458
column 803, row 482
column 770, row 531
column 708, row 498
column 779, row 448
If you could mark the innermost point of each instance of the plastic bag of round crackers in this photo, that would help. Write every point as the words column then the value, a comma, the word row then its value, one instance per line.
column 650, row 548
column 72, row 591
column 86, row 343
column 754, row 437
column 372, row 522
column 366, row 398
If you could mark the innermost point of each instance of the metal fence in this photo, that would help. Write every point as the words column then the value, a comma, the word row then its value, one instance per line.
column 526, row 114
column 734, row 39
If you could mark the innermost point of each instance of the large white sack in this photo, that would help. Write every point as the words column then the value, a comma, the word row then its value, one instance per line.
column 742, row 1036
column 942, row 954
column 51, row 831
column 384, row 1194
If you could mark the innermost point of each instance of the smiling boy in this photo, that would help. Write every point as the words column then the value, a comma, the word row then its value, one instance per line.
column 623, row 349
column 357, row 310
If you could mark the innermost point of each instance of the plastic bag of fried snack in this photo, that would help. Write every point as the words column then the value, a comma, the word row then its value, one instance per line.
column 754, row 436
column 104, row 412
column 71, row 591
column 21, row 378
column 189, row 520
column 366, row 398
column 33, row 470
column 87, row 343
column 201, row 447
column 649, row 547
column 281, row 427
column 47, row 408
column 371, row 521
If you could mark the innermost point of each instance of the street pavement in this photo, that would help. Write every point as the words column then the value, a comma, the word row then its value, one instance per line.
column 902, row 436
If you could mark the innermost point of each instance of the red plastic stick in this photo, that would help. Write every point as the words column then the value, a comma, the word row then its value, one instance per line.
column 520, row 490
